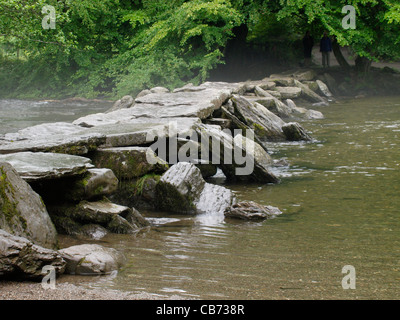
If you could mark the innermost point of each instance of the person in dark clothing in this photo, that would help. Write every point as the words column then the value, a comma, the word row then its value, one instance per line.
column 308, row 43
column 325, row 49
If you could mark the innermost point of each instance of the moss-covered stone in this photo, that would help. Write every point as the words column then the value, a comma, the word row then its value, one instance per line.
column 22, row 211
column 7, row 206
column 130, row 162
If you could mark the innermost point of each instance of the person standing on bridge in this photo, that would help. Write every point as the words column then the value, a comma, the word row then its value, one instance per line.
column 325, row 47
column 308, row 43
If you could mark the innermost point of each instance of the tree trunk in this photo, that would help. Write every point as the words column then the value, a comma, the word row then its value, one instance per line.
column 339, row 55
column 363, row 65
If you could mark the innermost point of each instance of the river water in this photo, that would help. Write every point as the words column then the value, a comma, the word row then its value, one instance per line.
column 340, row 200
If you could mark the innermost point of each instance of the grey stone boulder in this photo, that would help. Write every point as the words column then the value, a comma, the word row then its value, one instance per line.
column 330, row 82
column 207, row 169
column 324, row 89
column 260, row 92
column 182, row 189
column 135, row 218
column 222, row 122
column 21, row 259
column 22, row 211
column 296, row 111
column 123, row 103
column 267, row 85
column 236, row 160
column 281, row 109
column 129, row 162
column 179, row 187
column 276, row 94
column 250, row 210
column 282, row 80
column 95, row 183
column 268, row 102
column 91, row 259
column 120, row 225
column 313, row 115
column 214, row 199
column 289, row 92
column 312, row 85
column 304, row 75
column 239, row 160
column 69, row 219
column 295, row 132
column 308, row 94
column 261, row 159
column 272, row 103
column 98, row 212
column 33, row 166
column 143, row 93
column 238, row 124
column 261, row 156
column 266, row 125
column 159, row 90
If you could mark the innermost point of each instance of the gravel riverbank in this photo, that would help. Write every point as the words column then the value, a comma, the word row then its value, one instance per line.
column 66, row 291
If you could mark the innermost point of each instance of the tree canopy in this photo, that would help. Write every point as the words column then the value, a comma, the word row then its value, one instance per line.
column 116, row 47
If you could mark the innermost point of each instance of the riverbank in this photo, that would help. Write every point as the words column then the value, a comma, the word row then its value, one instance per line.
column 11, row 290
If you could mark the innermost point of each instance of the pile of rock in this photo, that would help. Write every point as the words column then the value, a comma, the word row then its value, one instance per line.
column 92, row 173
column 22, row 259
column 28, row 238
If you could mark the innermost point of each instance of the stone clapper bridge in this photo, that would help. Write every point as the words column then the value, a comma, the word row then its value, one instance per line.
column 92, row 174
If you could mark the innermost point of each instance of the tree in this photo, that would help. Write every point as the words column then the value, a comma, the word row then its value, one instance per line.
column 376, row 36
column 117, row 47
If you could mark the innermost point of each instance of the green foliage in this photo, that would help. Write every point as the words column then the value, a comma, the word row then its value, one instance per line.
column 109, row 48
column 377, row 24
column 113, row 47
column 178, row 45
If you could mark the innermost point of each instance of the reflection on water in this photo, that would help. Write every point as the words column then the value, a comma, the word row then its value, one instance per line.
column 340, row 200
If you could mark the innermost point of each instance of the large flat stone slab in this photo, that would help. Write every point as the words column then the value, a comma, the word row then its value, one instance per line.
column 78, row 143
column 142, row 131
column 46, row 130
column 289, row 92
column 119, row 131
column 32, row 166
column 199, row 103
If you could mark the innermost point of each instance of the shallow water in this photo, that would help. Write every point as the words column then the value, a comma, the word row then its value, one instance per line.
column 19, row 114
column 340, row 200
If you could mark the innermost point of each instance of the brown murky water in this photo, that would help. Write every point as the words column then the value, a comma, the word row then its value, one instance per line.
column 341, row 206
